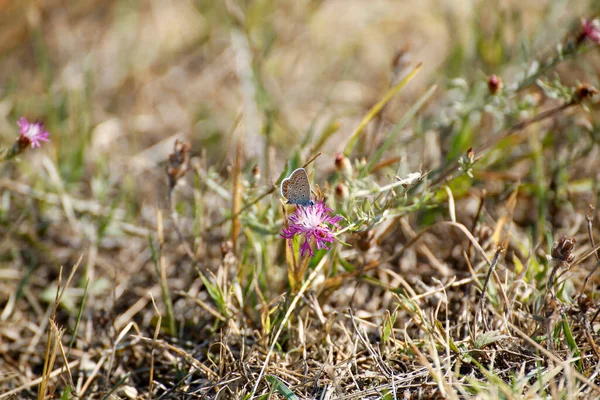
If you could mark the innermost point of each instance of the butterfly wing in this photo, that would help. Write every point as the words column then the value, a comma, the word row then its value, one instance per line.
column 299, row 188
column 285, row 188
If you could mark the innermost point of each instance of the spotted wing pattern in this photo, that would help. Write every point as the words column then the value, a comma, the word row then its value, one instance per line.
column 296, row 188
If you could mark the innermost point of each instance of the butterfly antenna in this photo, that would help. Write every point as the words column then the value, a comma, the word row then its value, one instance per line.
column 312, row 159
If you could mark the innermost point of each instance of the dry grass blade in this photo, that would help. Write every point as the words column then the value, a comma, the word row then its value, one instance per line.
column 452, row 250
column 187, row 357
column 53, row 374
column 162, row 273
column 155, row 338
column 555, row 359
column 53, row 343
column 52, row 346
column 481, row 302
column 290, row 309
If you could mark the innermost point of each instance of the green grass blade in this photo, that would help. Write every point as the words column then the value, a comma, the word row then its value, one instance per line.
column 376, row 109
column 66, row 394
column 329, row 130
column 281, row 388
column 393, row 135
column 572, row 343
column 79, row 314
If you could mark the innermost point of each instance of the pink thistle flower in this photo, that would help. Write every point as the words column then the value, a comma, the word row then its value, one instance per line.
column 313, row 222
column 590, row 30
column 31, row 133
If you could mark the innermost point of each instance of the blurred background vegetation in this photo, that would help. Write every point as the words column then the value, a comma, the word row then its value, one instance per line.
column 117, row 81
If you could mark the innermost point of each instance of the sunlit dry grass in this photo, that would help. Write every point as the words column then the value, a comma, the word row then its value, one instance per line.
column 142, row 254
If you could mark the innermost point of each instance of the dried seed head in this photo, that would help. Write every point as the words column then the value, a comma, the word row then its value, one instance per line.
column 584, row 303
column 495, row 84
column 563, row 249
column 584, row 92
column 590, row 215
column 226, row 247
column 365, row 240
column 179, row 162
column 400, row 63
column 180, row 154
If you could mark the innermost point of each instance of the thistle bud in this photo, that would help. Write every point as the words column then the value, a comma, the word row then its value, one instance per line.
column 584, row 92
column 495, row 84
column 341, row 191
column 343, row 166
column 255, row 175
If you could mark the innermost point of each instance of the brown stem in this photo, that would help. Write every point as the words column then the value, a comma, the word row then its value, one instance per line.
column 484, row 289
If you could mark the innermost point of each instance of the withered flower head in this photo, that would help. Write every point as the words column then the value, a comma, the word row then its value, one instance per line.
column 563, row 249
column 226, row 247
column 179, row 162
column 584, row 302
column 584, row 92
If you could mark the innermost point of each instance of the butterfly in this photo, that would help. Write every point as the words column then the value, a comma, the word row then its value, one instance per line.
column 296, row 188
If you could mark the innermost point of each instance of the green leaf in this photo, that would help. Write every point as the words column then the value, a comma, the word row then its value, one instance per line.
column 487, row 338
column 345, row 264
column 571, row 342
column 216, row 293
column 440, row 327
column 66, row 394
column 281, row 388
column 79, row 314
column 388, row 326
column 329, row 130
column 393, row 135
column 376, row 109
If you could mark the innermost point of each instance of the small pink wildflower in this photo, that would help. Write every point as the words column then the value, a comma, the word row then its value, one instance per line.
column 313, row 222
column 591, row 30
column 31, row 133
